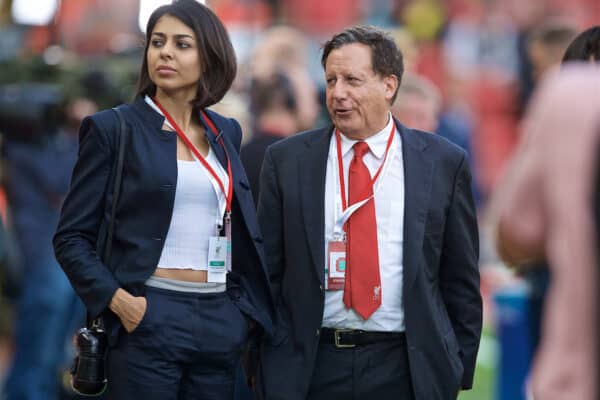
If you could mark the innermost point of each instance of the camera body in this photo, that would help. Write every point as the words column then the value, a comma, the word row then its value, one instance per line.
column 88, row 371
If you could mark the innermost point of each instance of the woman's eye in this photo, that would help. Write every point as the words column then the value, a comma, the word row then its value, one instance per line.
column 156, row 43
column 184, row 45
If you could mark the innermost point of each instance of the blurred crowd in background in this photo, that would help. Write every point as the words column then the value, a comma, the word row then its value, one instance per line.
column 471, row 68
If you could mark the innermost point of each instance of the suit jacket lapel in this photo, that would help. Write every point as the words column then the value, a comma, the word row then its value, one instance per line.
column 312, row 167
column 417, row 189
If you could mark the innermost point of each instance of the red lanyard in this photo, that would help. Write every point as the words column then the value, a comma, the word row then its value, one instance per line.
column 341, row 164
column 193, row 149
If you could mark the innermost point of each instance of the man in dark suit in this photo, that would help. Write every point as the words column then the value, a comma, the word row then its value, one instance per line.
column 372, row 246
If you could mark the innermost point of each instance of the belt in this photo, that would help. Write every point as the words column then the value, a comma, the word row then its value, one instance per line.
column 349, row 338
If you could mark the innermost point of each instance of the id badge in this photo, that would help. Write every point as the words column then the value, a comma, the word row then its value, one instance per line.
column 219, row 249
column 336, row 265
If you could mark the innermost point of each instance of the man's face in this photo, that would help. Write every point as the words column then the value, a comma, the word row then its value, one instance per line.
column 358, row 99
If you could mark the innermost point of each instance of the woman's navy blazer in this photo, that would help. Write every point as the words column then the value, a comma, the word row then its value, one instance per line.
column 144, row 210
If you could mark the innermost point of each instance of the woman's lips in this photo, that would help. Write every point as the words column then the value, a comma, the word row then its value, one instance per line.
column 165, row 70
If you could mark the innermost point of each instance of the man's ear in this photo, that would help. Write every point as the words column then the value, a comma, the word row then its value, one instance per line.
column 391, row 86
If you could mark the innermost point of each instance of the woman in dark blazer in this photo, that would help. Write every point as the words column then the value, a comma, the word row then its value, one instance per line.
column 177, row 311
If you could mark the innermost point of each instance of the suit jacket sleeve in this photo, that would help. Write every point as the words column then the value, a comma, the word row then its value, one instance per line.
column 80, row 220
column 459, row 273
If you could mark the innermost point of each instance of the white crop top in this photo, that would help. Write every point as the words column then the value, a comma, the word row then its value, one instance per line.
column 194, row 215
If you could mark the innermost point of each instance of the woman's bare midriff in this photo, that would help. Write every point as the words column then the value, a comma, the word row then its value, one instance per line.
column 188, row 275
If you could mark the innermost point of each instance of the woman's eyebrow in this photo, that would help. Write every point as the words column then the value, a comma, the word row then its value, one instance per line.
column 177, row 36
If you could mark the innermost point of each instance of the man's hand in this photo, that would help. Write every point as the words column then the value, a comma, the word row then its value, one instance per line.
column 129, row 309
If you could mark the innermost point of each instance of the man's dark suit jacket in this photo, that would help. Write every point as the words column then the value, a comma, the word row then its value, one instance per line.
column 144, row 213
column 442, row 302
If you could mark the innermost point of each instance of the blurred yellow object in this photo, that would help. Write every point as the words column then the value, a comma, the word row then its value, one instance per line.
column 424, row 18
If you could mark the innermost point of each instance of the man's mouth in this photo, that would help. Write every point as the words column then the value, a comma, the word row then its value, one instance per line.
column 342, row 112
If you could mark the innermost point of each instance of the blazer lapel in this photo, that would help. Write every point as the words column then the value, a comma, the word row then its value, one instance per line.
column 417, row 189
column 312, row 167
column 213, row 141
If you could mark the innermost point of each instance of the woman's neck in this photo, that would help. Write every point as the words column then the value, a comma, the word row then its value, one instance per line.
column 178, row 107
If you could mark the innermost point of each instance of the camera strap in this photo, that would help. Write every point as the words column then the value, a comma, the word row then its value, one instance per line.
column 118, row 177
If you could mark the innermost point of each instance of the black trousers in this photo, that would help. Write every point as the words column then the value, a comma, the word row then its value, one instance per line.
column 376, row 371
column 187, row 346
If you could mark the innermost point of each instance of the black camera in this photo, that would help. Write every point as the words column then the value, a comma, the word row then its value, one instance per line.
column 88, row 372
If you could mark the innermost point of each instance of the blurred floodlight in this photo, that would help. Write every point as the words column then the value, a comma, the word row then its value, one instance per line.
column 34, row 12
column 146, row 9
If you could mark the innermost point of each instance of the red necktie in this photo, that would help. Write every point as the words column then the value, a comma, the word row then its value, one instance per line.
column 362, row 287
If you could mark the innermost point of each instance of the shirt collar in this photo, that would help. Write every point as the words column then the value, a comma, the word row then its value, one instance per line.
column 377, row 143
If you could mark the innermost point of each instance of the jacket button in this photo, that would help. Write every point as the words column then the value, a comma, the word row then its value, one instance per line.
column 318, row 332
column 321, row 287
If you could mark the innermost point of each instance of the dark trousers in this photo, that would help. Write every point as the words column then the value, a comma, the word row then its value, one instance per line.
column 375, row 371
column 187, row 346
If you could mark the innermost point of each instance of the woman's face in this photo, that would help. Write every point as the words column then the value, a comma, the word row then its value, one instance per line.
column 173, row 58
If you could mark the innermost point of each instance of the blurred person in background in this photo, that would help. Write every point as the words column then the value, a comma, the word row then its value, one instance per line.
column 283, row 97
column 544, row 212
column 48, row 310
column 177, row 309
column 280, row 47
column 282, row 104
column 407, row 43
column 418, row 104
column 546, row 45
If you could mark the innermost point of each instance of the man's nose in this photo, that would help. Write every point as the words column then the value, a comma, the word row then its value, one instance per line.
column 338, row 90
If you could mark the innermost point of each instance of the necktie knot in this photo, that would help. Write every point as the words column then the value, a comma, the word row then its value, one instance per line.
column 360, row 149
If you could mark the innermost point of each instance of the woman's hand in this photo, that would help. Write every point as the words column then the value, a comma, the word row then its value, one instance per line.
column 129, row 309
